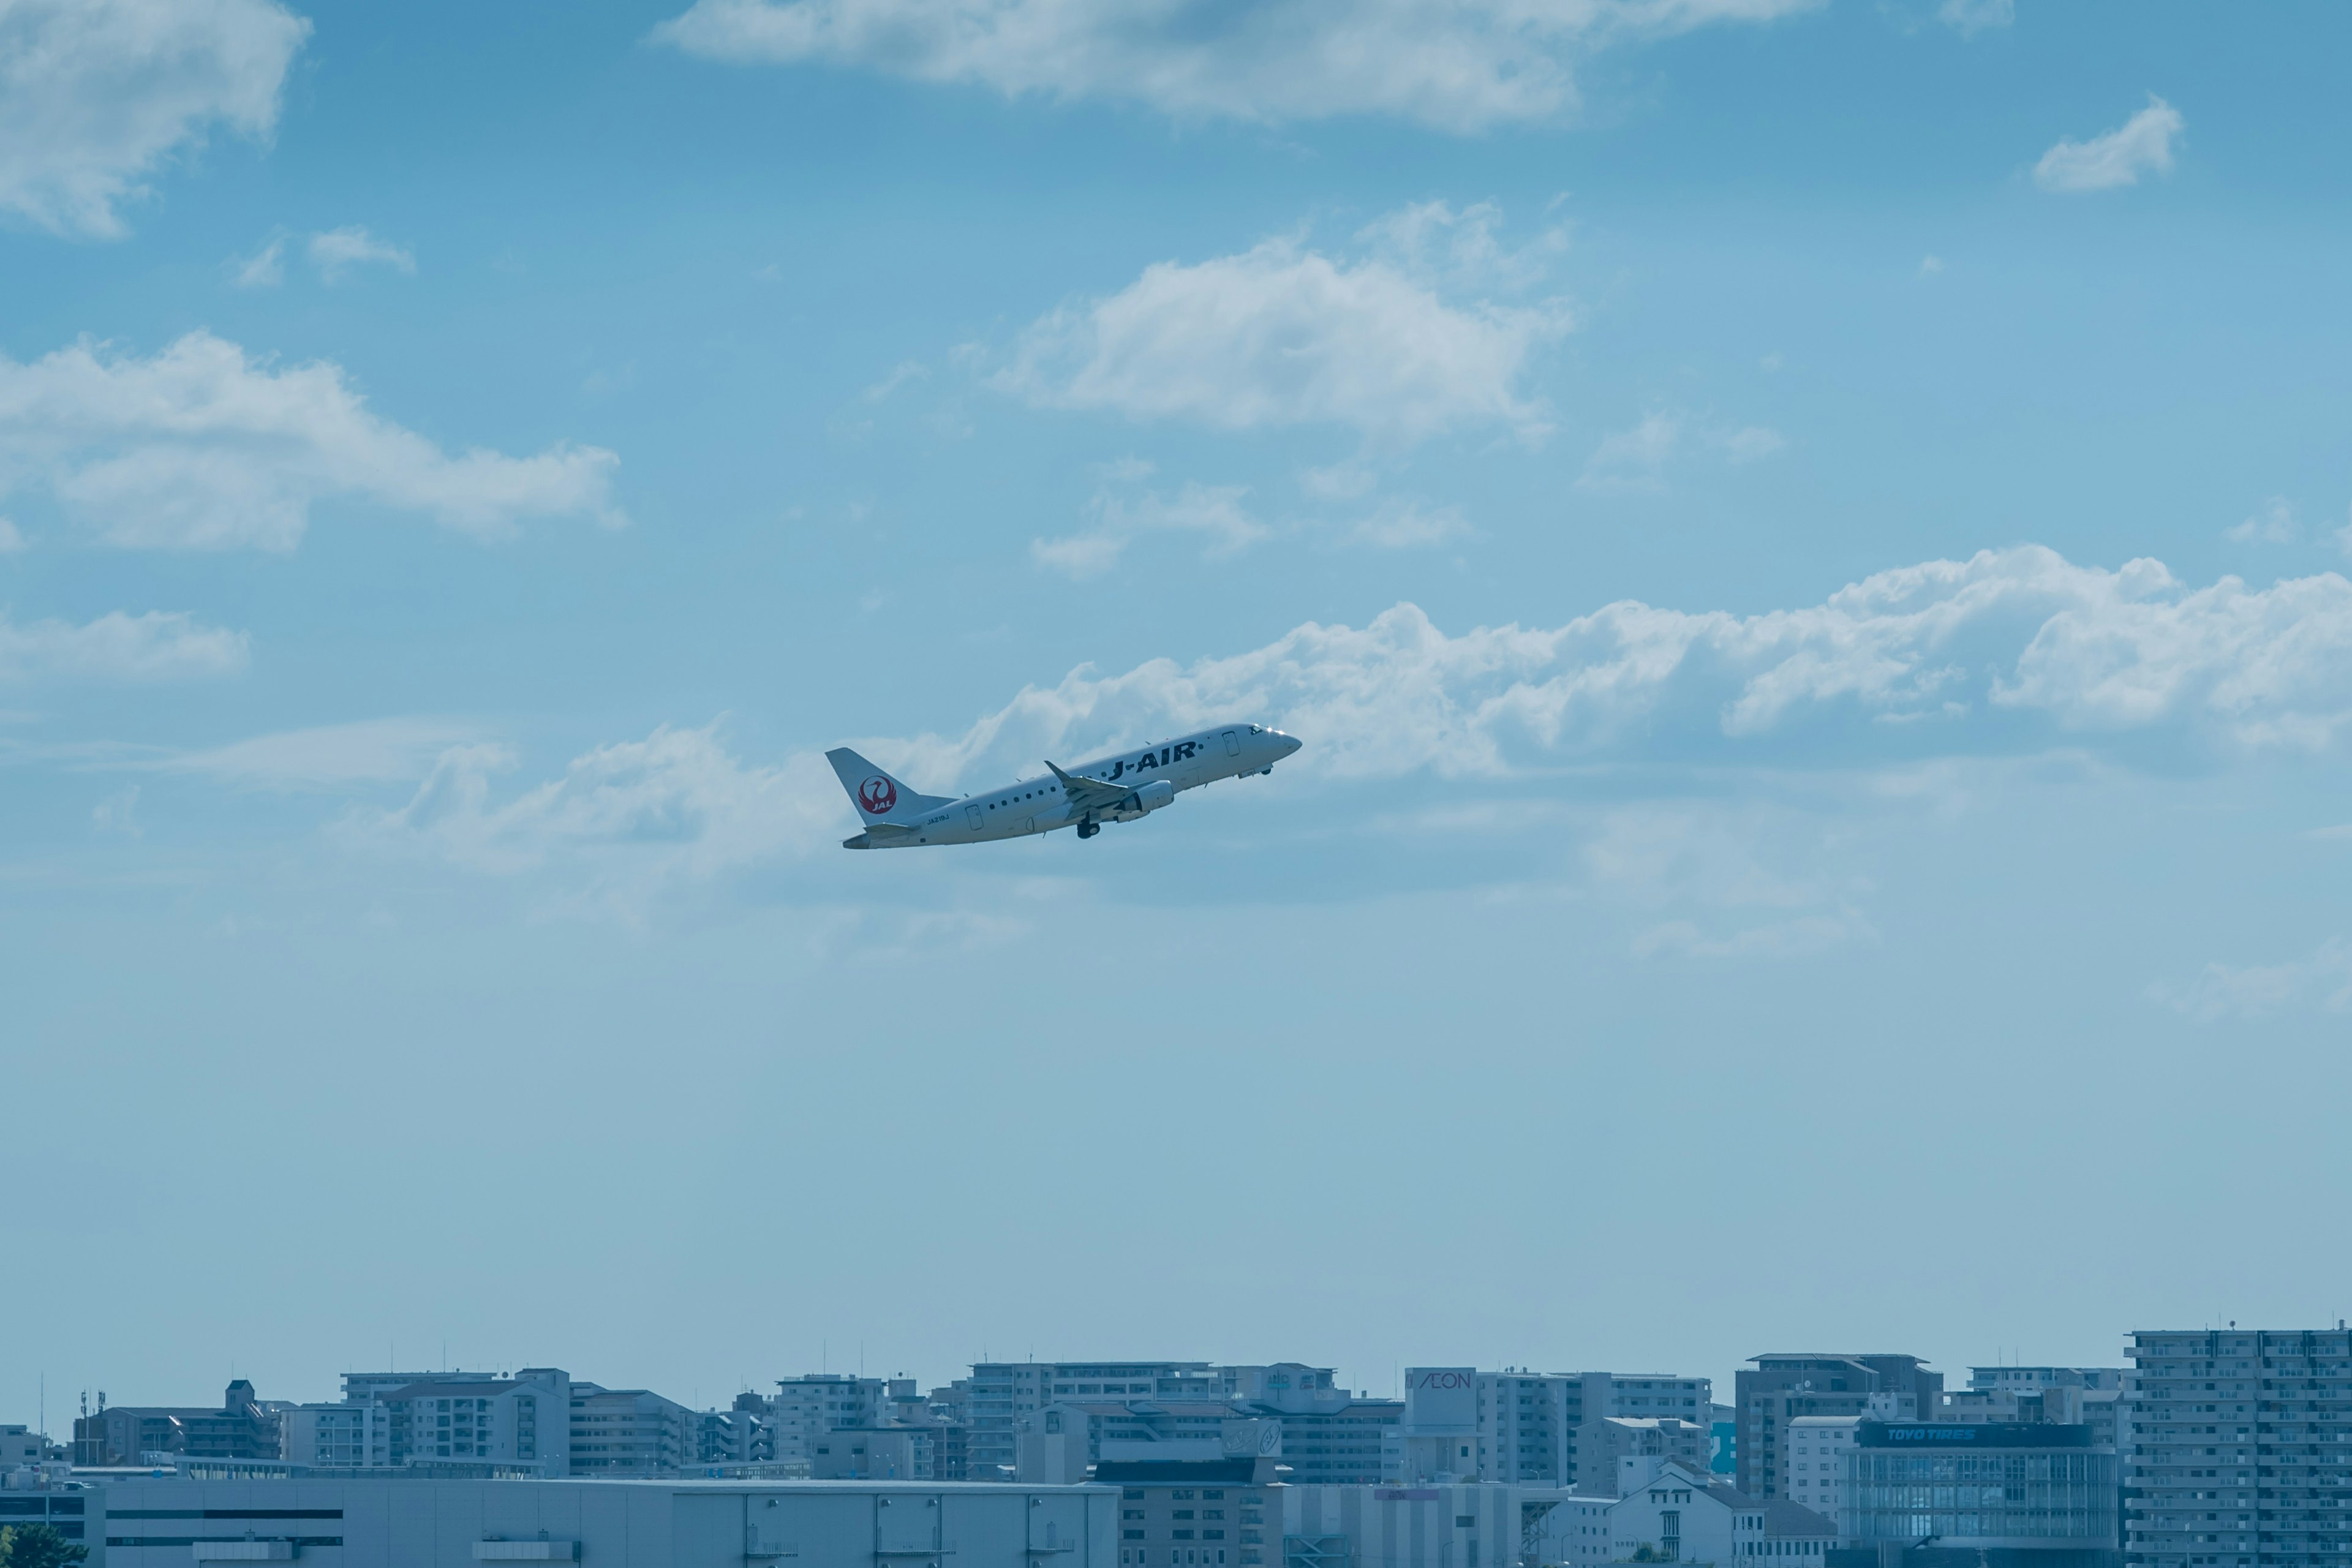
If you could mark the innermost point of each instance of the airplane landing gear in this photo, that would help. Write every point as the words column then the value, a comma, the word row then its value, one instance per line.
column 1090, row 827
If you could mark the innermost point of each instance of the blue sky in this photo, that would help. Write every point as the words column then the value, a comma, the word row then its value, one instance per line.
column 1806, row 543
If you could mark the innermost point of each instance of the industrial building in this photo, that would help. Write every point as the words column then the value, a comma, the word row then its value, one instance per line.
column 391, row 1520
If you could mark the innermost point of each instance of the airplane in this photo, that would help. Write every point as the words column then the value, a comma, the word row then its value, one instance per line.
column 1127, row 787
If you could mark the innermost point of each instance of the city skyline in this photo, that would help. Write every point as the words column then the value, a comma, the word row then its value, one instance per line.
column 1806, row 545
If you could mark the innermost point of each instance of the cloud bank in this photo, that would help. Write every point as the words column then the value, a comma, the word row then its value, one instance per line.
column 96, row 95
column 200, row 448
column 1462, row 65
column 2012, row 651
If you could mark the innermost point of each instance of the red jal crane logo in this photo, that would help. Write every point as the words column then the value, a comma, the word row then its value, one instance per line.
column 877, row 796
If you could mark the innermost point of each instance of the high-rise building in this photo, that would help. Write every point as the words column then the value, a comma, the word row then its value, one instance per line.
column 1782, row 1387
column 2237, row 1447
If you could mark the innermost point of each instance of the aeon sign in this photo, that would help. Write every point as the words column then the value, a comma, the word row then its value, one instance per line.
column 1441, row 1399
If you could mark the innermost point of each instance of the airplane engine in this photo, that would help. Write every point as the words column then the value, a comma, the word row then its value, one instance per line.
column 1143, row 801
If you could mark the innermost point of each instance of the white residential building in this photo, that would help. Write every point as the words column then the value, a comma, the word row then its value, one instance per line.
column 22, row 1446
column 629, row 1431
column 1819, row 1450
column 806, row 1408
column 1002, row 1393
column 352, row 1434
column 522, row 1420
column 1685, row 1515
column 1528, row 1422
column 1576, row 1531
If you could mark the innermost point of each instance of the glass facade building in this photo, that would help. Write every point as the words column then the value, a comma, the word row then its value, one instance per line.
column 2019, row 1491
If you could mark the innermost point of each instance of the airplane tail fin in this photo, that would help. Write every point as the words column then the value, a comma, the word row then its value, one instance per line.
column 879, row 798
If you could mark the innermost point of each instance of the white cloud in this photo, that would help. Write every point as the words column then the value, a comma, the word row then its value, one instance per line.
column 96, row 95
column 2275, row 524
column 157, row 646
column 1930, row 264
column 906, row 372
column 1282, row 335
column 638, row 816
column 118, row 814
column 200, row 448
column 2139, row 145
column 2009, row 650
column 11, row 539
column 1972, row 16
column 1406, row 525
column 338, row 251
column 1459, row 65
column 1750, row 442
column 1215, row 512
column 372, row 751
column 1636, row 458
column 2223, row 991
column 265, row 268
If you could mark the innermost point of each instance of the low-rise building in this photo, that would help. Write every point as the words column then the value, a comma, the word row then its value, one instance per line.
column 22, row 1446
column 877, row 1454
column 1684, row 1514
column 242, row 1428
column 391, row 1520
column 1950, row 1494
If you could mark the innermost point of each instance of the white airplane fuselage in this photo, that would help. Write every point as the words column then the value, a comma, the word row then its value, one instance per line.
column 1145, row 779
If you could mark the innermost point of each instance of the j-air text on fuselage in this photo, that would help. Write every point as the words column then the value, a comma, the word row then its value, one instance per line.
column 1120, row 788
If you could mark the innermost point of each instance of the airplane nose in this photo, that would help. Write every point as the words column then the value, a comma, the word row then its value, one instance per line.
column 1291, row 743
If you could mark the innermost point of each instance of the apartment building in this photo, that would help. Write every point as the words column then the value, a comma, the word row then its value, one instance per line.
column 2238, row 1449
column 1002, row 1393
column 1606, row 1449
column 1199, row 1514
column 628, row 1432
column 1528, row 1423
column 242, row 1428
column 1819, row 1453
column 806, row 1408
column 1781, row 1387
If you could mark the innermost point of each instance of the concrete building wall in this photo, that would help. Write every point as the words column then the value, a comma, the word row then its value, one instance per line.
column 1401, row 1527
column 2234, row 1450
column 398, row 1522
column 1781, row 1387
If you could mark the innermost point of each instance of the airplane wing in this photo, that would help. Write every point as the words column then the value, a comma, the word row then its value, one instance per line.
column 1089, row 795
